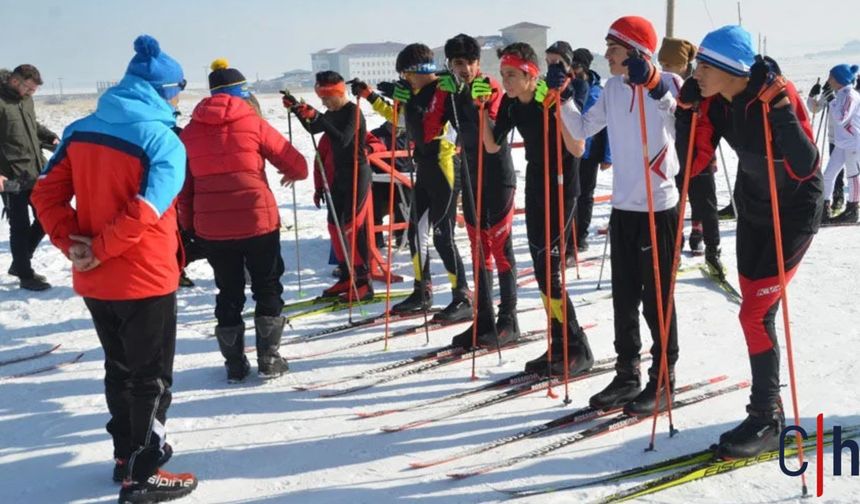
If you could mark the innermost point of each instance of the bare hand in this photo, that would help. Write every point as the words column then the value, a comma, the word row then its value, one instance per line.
column 2, row 180
column 81, row 253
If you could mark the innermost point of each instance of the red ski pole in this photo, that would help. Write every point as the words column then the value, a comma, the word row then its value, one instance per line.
column 780, row 262
column 676, row 258
column 477, row 250
column 562, row 237
column 663, row 373
column 354, row 224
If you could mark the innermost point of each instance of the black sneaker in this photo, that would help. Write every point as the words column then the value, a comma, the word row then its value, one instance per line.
column 643, row 404
column 459, row 310
column 758, row 433
column 13, row 272
column 622, row 389
column 161, row 486
column 415, row 302
column 120, row 467
column 33, row 284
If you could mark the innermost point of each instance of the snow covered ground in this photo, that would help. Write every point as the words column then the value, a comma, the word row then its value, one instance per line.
column 265, row 442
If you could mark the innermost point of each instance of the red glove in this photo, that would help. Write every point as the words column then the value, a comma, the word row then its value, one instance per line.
column 305, row 112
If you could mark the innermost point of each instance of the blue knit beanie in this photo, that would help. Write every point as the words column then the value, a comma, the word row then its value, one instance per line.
column 844, row 74
column 155, row 66
column 728, row 48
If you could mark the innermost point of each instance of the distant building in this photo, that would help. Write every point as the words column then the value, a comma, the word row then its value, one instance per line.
column 372, row 63
column 375, row 62
column 292, row 80
column 530, row 33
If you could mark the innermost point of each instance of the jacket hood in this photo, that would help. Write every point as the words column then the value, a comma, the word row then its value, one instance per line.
column 220, row 109
column 134, row 100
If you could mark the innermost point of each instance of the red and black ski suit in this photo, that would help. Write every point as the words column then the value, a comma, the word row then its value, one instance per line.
column 337, row 155
column 799, row 187
column 499, row 185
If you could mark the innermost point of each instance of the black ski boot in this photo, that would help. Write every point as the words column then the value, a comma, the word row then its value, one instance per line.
column 486, row 336
column 643, row 404
column 579, row 356
column 459, row 310
column 697, row 247
column 120, row 467
column 159, row 487
column 838, row 199
column 507, row 326
column 622, row 389
column 270, row 364
column 827, row 214
column 420, row 300
column 758, row 433
column 713, row 262
column 849, row 216
column 727, row 212
column 231, row 341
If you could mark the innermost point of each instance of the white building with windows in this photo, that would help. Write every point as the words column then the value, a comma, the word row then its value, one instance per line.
column 372, row 63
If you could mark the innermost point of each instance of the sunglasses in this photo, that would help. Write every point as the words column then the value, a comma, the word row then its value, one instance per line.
column 181, row 85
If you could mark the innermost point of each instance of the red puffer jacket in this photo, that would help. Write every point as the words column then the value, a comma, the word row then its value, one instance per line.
column 226, row 195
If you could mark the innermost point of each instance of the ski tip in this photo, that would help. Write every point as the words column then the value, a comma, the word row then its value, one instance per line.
column 458, row 476
column 419, row 465
column 391, row 429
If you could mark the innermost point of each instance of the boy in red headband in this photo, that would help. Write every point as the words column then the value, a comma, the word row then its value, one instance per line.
column 337, row 154
column 523, row 107
column 630, row 44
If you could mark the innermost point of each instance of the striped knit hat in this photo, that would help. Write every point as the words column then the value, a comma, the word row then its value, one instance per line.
column 728, row 48
column 634, row 32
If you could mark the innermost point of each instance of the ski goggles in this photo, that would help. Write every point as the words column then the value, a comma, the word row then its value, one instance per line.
column 421, row 68
column 181, row 85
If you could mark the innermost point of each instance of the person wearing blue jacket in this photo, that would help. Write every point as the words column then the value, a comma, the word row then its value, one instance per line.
column 597, row 153
column 124, row 166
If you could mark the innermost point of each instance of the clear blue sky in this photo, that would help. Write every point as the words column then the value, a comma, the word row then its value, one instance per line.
column 88, row 40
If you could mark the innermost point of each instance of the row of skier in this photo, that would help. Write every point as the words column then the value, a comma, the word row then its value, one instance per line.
column 123, row 225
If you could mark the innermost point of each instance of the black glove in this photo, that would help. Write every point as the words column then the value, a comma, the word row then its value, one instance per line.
column 555, row 75
column 816, row 89
column 766, row 81
column 690, row 94
column 360, row 88
column 386, row 88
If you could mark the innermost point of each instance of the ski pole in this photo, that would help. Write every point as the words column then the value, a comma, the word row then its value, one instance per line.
column 562, row 237
column 783, row 284
column 392, row 167
column 676, row 258
column 330, row 204
column 547, row 290
column 413, row 224
column 603, row 259
column 728, row 180
column 353, row 223
column 663, row 373
column 478, row 258
column 295, row 213
column 814, row 112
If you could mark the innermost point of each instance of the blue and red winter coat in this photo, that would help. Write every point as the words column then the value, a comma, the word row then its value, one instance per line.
column 124, row 166
column 227, row 196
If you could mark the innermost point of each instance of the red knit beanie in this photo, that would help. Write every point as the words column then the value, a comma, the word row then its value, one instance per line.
column 634, row 32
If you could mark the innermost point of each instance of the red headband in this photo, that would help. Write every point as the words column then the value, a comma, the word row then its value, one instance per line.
column 520, row 64
column 338, row 89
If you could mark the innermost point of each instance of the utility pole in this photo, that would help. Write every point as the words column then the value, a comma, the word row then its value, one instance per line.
column 670, row 18
column 60, row 79
column 740, row 21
